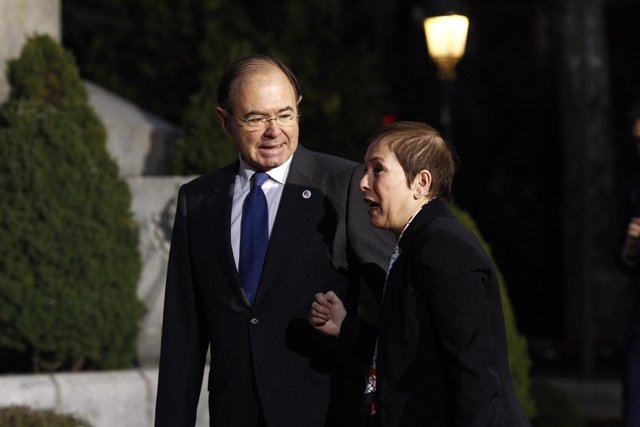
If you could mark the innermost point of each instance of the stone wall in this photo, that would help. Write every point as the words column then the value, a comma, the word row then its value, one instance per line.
column 153, row 206
column 139, row 141
column 105, row 399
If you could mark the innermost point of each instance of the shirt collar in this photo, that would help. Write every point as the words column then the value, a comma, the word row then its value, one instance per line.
column 278, row 174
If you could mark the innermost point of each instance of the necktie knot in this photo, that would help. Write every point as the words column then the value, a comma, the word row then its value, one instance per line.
column 259, row 178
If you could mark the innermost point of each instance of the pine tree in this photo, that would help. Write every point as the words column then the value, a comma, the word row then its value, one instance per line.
column 69, row 260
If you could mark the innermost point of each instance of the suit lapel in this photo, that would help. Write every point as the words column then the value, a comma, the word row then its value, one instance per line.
column 218, row 208
column 299, row 197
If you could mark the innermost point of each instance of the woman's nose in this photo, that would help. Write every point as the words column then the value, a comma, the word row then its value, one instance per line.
column 364, row 182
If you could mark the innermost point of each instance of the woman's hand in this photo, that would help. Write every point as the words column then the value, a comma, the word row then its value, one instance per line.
column 327, row 313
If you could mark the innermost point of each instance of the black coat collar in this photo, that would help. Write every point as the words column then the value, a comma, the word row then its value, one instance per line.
column 434, row 209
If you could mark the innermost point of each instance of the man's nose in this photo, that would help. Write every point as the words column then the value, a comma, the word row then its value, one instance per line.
column 272, row 127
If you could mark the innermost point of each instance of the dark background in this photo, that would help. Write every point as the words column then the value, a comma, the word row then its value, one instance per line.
column 507, row 129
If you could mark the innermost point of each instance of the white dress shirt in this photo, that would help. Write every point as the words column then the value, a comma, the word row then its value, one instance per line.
column 272, row 189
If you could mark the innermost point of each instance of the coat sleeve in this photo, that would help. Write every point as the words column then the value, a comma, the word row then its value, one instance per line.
column 184, row 339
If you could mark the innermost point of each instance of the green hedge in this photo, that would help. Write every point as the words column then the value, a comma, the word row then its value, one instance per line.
column 203, row 146
column 69, row 260
column 517, row 344
column 22, row 416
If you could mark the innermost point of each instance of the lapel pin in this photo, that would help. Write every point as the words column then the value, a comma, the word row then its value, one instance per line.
column 306, row 194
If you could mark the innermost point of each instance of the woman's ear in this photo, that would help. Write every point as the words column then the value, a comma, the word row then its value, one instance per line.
column 422, row 183
column 223, row 118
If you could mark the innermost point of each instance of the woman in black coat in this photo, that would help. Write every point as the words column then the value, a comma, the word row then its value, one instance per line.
column 441, row 352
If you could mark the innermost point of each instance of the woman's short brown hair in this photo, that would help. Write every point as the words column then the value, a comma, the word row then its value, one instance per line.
column 418, row 146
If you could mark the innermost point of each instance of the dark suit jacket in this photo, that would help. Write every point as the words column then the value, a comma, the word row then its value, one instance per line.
column 318, row 243
column 442, row 356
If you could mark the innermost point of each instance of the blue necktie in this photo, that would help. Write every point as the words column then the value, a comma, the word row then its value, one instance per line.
column 254, row 236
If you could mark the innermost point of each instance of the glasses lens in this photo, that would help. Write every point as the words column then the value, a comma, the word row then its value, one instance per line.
column 285, row 119
column 254, row 123
column 257, row 123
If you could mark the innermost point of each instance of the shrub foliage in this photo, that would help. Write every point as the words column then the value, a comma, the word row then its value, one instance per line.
column 22, row 416
column 69, row 260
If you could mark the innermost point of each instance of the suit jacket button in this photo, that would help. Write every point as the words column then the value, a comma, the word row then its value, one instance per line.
column 254, row 321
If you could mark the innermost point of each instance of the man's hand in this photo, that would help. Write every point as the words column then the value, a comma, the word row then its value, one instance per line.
column 327, row 313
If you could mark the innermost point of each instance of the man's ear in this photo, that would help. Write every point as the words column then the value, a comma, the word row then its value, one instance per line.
column 223, row 118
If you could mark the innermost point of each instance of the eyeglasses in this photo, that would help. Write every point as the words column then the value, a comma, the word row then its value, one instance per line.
column 256, row 123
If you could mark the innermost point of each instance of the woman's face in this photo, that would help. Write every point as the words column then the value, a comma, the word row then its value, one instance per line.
column 391, row 201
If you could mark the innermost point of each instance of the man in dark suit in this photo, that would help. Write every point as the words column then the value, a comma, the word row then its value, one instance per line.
column 268, row 366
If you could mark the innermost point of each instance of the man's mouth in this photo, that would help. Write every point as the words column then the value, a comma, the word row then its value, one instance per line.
column 271, row 147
